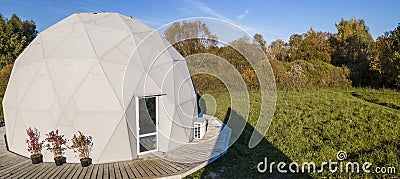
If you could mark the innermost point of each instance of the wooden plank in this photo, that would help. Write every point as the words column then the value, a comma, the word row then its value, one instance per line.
column 77, row 172
column 89, row 172
column 124, row 172
column 83, row 172
column 54, row 173
column 164, row 165
column 156, row 166
column 172, row 165
column 128, row 170
column 150, row 166
column 9, row 170
column 55, row 170
column 70, row 171
column 64, row 170
column 40, row 168
column 22, row 171
column 117, row 170
column 134, row 169
column 29, row 170
column 141, row 171
column 100, row 171
column 111, row 170
column 95, row 170
column 50, row 167
column 106, row 171
column 3, row 153
column 10, row 162
column 144, row 167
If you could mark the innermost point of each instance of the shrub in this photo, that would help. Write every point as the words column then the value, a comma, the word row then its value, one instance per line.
column 56, row 143
column 82, row 145
column 34, row 145
column 310, row 74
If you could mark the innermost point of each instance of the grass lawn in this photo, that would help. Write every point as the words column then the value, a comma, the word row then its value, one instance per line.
column 312, row 126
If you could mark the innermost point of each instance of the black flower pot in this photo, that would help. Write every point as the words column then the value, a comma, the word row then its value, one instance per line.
column 59, row 160
column 37, row 158
column 85, row 162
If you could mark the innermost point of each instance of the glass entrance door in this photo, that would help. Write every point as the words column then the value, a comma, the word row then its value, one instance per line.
column 148, row 120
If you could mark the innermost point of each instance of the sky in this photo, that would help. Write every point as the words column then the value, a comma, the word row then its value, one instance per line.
column 273, row 19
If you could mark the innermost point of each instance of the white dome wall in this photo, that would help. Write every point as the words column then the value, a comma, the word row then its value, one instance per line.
column 82, row 73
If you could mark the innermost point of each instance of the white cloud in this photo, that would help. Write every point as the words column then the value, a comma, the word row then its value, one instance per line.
column 206, row 9
column 241, row 16
column 269, row 34
column 153, row 22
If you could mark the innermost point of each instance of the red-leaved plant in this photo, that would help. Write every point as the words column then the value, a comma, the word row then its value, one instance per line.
column 56, row 143
column 82, row 145
column 34, row 145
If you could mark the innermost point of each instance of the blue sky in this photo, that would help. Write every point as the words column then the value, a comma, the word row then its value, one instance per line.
column 273, row 19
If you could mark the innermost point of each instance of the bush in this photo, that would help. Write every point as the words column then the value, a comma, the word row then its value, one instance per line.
column 34, row 145
column 310, row 74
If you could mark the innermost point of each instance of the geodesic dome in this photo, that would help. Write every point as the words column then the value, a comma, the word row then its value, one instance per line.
column 91, row 72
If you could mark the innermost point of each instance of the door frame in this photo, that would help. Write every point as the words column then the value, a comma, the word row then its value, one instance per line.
column 138, row 127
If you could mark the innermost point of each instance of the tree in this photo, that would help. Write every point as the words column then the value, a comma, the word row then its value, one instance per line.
column 311, row 45
column 277, row 50
column 353, row 47
column 259, row 39
column 15, row 35
column 190, row 37
column 387, row 61
column 5, row 73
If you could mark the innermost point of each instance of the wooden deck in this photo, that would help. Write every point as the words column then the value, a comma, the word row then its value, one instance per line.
column 171, row 165
column 214, row 144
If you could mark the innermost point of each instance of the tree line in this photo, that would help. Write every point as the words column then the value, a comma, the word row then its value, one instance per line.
column 347, row 57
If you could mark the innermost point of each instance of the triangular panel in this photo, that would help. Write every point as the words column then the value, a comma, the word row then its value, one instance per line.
column 113, row 21
column 100, row 126
column 24, row 78
column 41, row 94
column 105, row 39
column 115, row 73
column 76, row 46
column 119, row 138
column 54, row 38
column 68, row 75
column 96, row 94
column 31, row 55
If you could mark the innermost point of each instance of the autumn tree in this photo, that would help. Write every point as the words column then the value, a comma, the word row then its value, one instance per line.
column 189, row 37
column 277, row 50
column 387, row 61
column 15, row 35
column 353, row 46
column 312, row 45
column 259, row 39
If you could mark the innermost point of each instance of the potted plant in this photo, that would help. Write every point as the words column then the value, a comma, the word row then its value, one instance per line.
column 56, row 145
column 34, row 146
column 82, row 145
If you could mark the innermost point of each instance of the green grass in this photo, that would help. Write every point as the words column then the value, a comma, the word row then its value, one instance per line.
column 312, row 126
column 385, row 97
